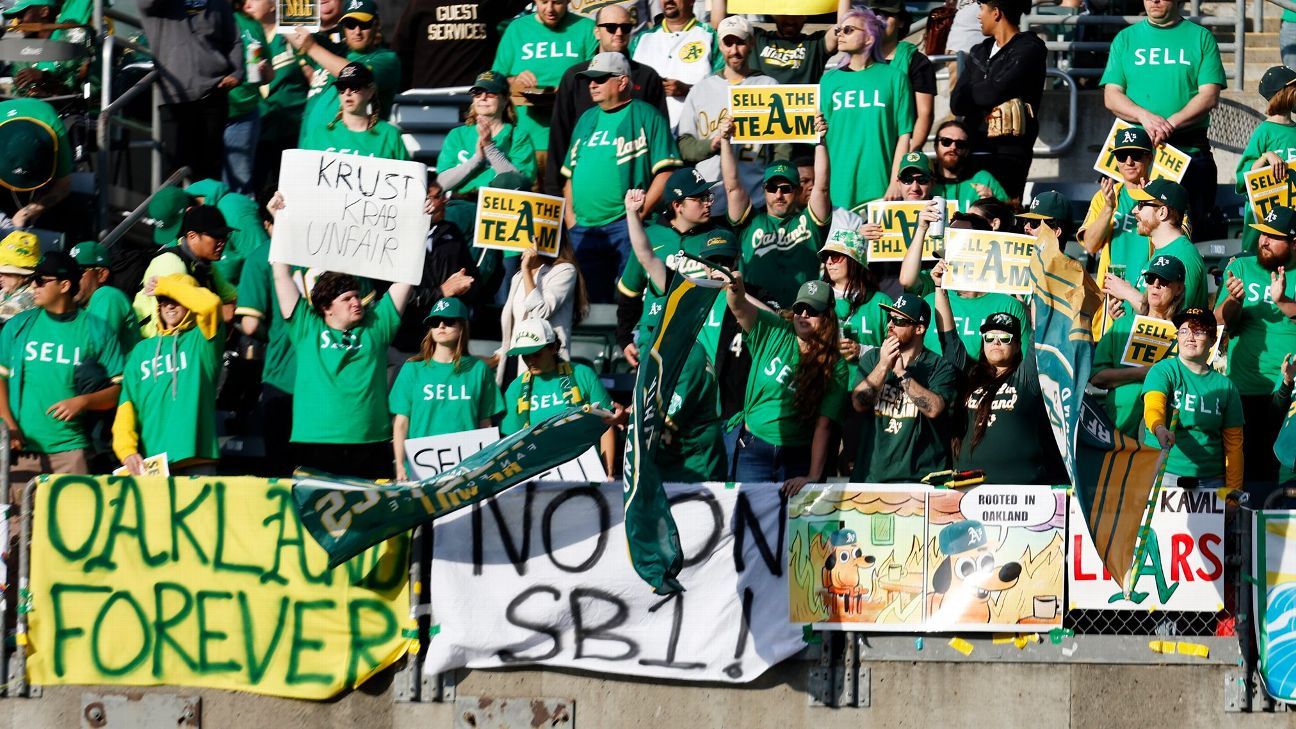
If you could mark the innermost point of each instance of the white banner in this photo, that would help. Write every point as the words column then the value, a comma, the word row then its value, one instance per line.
column 430, row 455
column 540, row 575
column 351, row 214
column 1185, row 571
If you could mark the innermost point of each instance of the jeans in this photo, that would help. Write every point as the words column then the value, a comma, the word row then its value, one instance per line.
column 193, row 134
column 753, row 460
column 602, row 252
column 1199, row 183
column 1287, row 43
column 241, row 135
column 1263, row 422
column 1192, row 482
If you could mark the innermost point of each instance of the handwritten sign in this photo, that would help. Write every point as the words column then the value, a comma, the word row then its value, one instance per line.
column 208, row 582
column 1150, row 340
column 1264, row 191
column 899, row 221
column 153, row 466
column 294, row 14
column 1169, row 162
column 358, row 215
column 513, row 220
column 774, row 114
column 988, row 261
column 429, row 456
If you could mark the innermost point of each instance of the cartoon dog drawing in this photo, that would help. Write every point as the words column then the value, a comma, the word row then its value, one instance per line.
column 968, row 575
column 843, row 573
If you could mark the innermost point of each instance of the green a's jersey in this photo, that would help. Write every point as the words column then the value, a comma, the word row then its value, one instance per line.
column 171, row 380
column 908, row 445
column 383, row 140
column 245, row 97
column 614, row 151
column 256, row 298
column 1262, row 336
column 530, row 45
column 45, row 114
column 692, row 448
column 867, row 112
column 283, row 100
column 461, row 144
column 799, row 60
column 1195, row 272
column 780, row 254
column 969, row 314
column 1123, row 403
column 1200, row 407
column 550, row 394
column 965, row 192
column 1161, row 69
column 666, row 241
column 341, row 381
column 112, row 306
column 322, row 101
column 440, row 397
column 1268, row 137
column 46, row 359
column 769, row 409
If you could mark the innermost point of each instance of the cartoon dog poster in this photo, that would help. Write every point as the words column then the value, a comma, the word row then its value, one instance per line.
column 914, row 558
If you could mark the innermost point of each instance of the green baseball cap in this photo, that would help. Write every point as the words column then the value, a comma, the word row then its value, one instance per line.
column 1279, row 222
column 511, row 181
column 849, row 243
column 362, row 10
column 90, row 254
column 910, row 307
column 21, row 5
column 447, row 308
column 1274, row 80
column 167, row 210
column 784, row 169
column 1133, row 138
column 720, row 246
column 961, row 536
column 916, row 161
column 1049, row 205
column 1168, row 268
column 684, row 182
column 29, row 148
column 1163, row 191
column 491, row 82
column 817, row 295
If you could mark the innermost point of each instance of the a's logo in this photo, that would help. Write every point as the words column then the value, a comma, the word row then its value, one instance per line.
column 1035, row 203
column 913, row 157
column 1000, row 320
column 440, row 305
column 716, row 241
column 812, row 288
column 76, row 251
column 692, row 52
column 697, row 176
column 1271, row 216
column 1129, row 137
column 901, row 302
column 1162, row 261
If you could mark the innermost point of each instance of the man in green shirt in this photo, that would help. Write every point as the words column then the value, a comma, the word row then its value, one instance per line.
column 1160, row 207
column 243, row 124
column 58, row 361
column 1165, row 74
column 955, row 179
column 104, row 301
column 35, row 163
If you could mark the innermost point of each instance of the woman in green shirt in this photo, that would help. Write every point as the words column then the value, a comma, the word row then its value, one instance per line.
column 488, row 143
column 1272, row 144
column 443, row 389
column 856, row 297
column 356, row 129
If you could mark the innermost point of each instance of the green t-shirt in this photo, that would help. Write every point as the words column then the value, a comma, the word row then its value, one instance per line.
column 112, row 306
column 964, row 191
column 530, row 45
column 799, row 60
column 769, row 409
column 383, row 140
column 1262, row 336
column 1161, row 69
column 171, row 380
column 614, row 151
column 906, row 444
column 666, row 241
column 868, row 323
column 1123, row 403
column 256, row 298
column 1267, row 137
column 45, row 114
column 440, row 398
column 1201, row 407
column 1194, row 270
column 551, row 393
column 969, row 314
column 284, row 98
column 780, row 254
column 867, row 111
column 461, row 144
column 44, row 358
column 341, row 383
column 692, row 449
column 322, row 101
column 246, row 96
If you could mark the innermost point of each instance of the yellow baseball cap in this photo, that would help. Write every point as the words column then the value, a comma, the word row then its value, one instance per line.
column 19, row 253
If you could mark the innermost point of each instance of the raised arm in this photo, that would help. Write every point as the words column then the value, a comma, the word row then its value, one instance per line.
column 736, row 297
column 652, row 265
column 911, row 265
column 285, row 290
column 400, row 296
column 820, row 202
column 944, row 313
column 735, row 191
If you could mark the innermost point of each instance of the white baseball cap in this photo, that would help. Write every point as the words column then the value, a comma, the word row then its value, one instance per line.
column 734, row 25
column 531, row 336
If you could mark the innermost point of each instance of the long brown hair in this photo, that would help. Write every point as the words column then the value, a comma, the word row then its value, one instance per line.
column 507, row 111
column 983, row 377
column 814, row 370
column 1282, row 102
column 428, row 346
column 861, row 284
column 567, row 254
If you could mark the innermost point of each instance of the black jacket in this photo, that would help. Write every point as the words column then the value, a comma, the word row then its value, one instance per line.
column 1016, row 71
column 447, row 252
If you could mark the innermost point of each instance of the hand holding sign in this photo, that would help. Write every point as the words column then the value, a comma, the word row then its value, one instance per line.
column 1168, row 162
column 516, row 220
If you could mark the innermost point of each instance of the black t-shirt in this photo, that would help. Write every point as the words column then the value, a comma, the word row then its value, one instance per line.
column 449, row 42
column 798, row 60
column 922, row 74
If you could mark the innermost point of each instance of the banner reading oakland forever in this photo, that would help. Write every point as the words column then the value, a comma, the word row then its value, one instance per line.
column 207, row 582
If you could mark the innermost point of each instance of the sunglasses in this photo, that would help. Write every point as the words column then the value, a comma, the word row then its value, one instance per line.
column 1125, row 155
column 600, row 79
column 900, row 321
column 914, row 179
column 1036, row 224
column 955, row 143
column 354, row 24
column 481, row 92
column 846, row 30
column 834, row 256
column 1002, row 338
column 43, row 280
column 438, row 321
column 778, row 187
column 1146, row 204
column 1155, row 280
column 806, row 311
column 614, row 28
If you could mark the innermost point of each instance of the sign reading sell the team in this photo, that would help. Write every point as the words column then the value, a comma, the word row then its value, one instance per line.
column 899, row 221
column 1170, row 162
column 351, row 214
column 1264, row 191
column 783, row 7
column 294, row 14
column 511, row 220
column 1149, row 341
column 988, row 261
column 774, row 114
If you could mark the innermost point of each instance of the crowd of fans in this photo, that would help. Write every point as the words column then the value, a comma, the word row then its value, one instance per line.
column 816, row 362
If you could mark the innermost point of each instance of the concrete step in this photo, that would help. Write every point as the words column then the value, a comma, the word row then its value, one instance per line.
column 1261, row 40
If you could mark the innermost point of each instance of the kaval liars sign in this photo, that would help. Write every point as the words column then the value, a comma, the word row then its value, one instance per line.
column 351, row 214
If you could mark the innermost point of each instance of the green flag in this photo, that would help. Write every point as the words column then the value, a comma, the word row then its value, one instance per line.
column 1285, row 445
column 650, row 529
column 347, row 516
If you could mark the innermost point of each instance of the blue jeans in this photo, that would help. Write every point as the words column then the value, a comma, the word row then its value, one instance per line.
column 753, row 460
column 1287, row 43
column 241, row 134
column 602, row 252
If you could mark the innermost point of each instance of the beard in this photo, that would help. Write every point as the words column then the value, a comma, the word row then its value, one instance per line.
column 1269, row 260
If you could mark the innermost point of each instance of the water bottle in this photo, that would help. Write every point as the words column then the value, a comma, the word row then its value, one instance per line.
column 936, row 231
column 252, row 65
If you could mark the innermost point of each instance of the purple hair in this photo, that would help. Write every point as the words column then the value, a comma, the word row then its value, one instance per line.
column 874, row 25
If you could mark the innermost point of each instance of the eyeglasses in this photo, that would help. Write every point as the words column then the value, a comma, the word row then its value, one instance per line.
column 614, row 28
column 705, row 198
column 1000, row 338
column 806, row 311
column 1188, row 331
column 437, row 321
column 779, row 187
column 847, row 30
column 914, row 179
column 355, row 24
column 951, row 142
column 1125, row 155
column 900, row 321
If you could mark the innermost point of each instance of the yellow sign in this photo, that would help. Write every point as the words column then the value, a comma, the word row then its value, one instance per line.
column 782, row 7
column 1170, row 162
column 153, row 466
column 1264, row 191
column 512, row 220
column 208, row 582
column 1150, row 340
column 304, row 14
column 774, row 114
column 988, row 261
column 899, row 220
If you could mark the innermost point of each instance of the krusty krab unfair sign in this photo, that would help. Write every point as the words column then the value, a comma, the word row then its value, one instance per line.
column 774, row 114
column 514, row 220
column 351, row 214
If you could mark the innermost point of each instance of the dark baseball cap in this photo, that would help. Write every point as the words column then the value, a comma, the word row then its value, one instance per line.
column 511, row 181
column 684, row 182
column 817, row 295
column 491, row 82
column 1196, row 315
column 354, row 75
column 889, row 7
column 720, row 246
column 29, row 150
column 1050, row 205
column 205, row 220
column 59, row 265
column 1132, row 138
column 910, row 307
column 782, row 168
column 1002, row 321
column 1166, row 267
column 1279, row 222
column 1275, row 79
column 1162, row 191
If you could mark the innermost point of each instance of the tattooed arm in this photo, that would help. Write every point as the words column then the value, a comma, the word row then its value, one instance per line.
column 928, row 403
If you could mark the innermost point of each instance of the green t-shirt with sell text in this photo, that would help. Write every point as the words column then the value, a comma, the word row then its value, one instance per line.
column 382, row 140
column 615, row 151
column 1200, row 407
column 867, row 112
column 171, row 381
column 441, row 397
column 551, row 393
column 530, row 45
column 1261, row 336
column 769, row 408
column 323, row 101
column 908, row 445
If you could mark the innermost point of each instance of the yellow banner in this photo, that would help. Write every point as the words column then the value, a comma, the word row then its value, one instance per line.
column 899, row 220
column 511, row 220
column 1170, row 162
column 1150, row 340
column 208, row 582
column 774, row 114
column 783, row 7
column 1264, row 191
column 988, row 261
